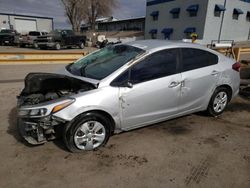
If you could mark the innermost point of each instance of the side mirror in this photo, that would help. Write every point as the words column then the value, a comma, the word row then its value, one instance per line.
column 129, row 84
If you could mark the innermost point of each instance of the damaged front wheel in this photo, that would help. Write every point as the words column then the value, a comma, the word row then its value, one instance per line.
column 87, row 132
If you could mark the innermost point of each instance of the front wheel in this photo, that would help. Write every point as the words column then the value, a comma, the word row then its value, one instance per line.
column 87, row 132
column 35, row 45
column 218, row 102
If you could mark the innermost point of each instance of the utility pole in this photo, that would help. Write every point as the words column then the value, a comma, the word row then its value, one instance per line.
column 222, row 20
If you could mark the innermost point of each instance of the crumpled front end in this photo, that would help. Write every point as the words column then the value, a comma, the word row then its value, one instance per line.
column 44, row 95
column 39, row 130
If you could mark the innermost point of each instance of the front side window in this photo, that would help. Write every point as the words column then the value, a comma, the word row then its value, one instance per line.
column 157, row 65
column 102, row 63
column 196, row 58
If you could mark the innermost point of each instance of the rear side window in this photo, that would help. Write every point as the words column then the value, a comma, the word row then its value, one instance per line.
column 196, row 58
column 157, row 65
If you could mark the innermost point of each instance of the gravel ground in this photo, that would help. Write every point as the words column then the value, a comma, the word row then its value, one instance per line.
column 191, row 151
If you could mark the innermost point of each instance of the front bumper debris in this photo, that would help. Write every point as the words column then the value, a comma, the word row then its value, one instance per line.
column 40, row 130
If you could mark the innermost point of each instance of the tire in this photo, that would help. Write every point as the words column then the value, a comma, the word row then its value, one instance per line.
column 35, row 45
column 80, row 134
column 218, row 102
column 58, row 46
column 81, row 45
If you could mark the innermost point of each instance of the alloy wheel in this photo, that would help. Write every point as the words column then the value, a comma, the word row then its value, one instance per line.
column 220, row 102
column 89, row 135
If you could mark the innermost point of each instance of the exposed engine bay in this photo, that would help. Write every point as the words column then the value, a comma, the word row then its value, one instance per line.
column 40, row 88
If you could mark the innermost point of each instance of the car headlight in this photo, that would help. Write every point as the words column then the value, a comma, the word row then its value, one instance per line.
column 33, row 112
column 40, row 112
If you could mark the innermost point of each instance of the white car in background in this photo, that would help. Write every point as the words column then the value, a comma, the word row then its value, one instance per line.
column 29, row 39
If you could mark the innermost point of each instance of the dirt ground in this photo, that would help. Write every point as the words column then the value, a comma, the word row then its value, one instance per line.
column 191, row 151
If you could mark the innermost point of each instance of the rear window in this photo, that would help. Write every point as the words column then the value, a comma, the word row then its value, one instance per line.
column 196, row 58
column 33, row 33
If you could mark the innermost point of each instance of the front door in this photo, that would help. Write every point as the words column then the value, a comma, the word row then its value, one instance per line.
column 155, row 91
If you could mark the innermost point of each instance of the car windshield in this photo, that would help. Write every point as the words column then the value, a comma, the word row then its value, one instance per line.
column 102, row 63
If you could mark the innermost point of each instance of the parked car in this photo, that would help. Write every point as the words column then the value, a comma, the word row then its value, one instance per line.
column 60, row 38
column 123, row 87
column 28, row 40
column 9, row 37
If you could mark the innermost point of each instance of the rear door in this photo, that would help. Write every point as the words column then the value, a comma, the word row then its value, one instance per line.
column 200, row 74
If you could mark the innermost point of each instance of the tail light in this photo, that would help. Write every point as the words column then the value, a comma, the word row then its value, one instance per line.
column 236, row 66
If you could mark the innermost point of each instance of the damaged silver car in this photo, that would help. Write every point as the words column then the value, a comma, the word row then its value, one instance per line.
column 123, row 87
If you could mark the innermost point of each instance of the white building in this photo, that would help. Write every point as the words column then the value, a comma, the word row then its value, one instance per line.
column 25, row 23
column 210, row 19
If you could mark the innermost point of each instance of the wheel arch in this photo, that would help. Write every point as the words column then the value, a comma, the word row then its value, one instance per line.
column 229, row 88
column 105, row 114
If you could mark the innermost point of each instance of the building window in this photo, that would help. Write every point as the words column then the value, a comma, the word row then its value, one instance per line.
column 175, row 12
column 193, row 9
column 218, row 9
column 167, row 32
column 155, row 15
column 188, row 31
column 153, row 33
column 248, row 16
column 236, row 13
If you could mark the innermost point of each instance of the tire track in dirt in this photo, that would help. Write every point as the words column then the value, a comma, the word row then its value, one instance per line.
column 199, row 172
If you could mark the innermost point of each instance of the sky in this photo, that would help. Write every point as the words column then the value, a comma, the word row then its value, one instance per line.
column 54, row 8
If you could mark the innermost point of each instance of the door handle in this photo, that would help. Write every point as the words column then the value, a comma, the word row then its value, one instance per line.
column 215, row 73
column 174, row 84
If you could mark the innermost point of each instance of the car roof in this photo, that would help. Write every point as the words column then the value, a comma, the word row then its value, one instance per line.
column 155, row 45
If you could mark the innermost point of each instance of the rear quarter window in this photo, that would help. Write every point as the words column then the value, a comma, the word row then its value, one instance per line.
column 197, row 58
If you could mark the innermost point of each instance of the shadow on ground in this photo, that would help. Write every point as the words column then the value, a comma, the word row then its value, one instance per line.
column 12, row 128
column 238, row 106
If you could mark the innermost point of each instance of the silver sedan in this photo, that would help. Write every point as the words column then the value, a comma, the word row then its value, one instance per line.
column 123, row 87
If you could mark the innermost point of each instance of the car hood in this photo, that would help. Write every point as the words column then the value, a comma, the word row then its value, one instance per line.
column 65, row 72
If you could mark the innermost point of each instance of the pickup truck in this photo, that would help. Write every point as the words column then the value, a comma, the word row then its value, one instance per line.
column 28, row 40
column 9, row 37
column 60, row 38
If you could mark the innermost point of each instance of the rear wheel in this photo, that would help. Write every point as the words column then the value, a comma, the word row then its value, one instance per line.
column 87, row 132
column 218, row 102
column 58, row 46
column 81, row 45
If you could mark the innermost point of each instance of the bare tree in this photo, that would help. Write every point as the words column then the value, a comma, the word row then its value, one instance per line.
column 74, row 12
column 97, row 8
column 88, row 11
